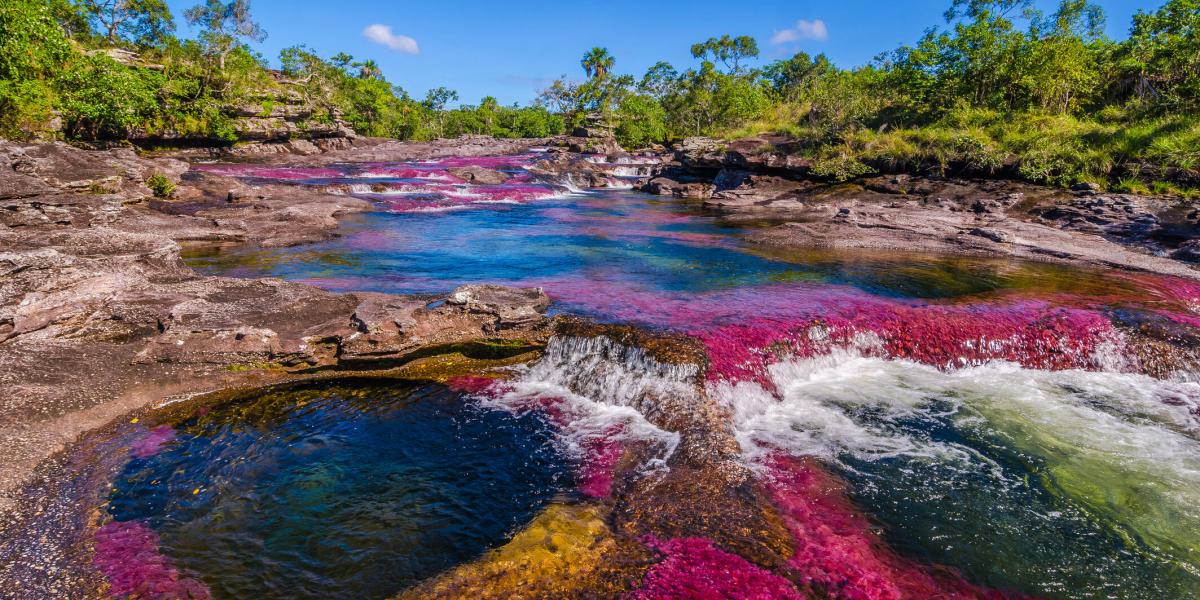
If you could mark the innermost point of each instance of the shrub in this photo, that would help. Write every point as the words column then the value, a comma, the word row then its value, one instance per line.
column 839, row 168
column 160, row 185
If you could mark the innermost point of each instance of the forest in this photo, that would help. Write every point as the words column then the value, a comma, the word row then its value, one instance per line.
column 997, row 88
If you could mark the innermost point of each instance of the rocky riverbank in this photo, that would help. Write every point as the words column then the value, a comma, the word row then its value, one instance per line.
column 765, row 177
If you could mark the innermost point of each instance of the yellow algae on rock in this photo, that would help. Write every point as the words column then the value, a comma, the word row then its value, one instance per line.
column 551, row 557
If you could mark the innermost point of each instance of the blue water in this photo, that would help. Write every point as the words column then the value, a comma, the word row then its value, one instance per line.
column 620, row 241
column 355, row 490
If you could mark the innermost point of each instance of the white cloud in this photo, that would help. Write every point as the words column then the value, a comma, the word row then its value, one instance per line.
column 804, row 30
column 382, row 34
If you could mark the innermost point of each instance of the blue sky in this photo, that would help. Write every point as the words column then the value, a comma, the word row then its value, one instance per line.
column 511, row 49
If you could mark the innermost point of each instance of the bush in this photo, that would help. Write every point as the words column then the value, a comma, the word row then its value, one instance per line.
column 103, row 98
column 160, row 185
column 839, row 168
column 642, row 122
column 26, row 109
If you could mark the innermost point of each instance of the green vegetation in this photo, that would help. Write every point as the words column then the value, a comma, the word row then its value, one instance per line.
column 112, row 69
column 160, row 185
column 999, row 89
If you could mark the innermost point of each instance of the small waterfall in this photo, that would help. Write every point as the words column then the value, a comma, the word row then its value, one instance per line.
column 601, row 368
column 602, row 389
column 569, row 183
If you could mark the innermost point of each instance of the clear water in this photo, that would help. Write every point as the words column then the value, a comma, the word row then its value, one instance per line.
column 623, row 239
column 986, row 413
column 354, row 490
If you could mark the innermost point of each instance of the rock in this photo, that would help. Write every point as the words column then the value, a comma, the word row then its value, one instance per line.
column 510, row 306
column 1086, row 186
column 698, row 145
column 996, row 235
column 1188, row 251
column 663, row 186
column 476, row 174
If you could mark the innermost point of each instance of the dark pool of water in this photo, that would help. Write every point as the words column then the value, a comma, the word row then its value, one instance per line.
column 355, row 490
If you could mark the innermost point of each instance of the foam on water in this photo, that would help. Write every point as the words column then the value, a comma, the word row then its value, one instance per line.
column 598, row 390
column 1118, row 454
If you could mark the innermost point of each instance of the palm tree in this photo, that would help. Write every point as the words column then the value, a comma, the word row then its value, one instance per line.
column 597, row 63
column 369, row 69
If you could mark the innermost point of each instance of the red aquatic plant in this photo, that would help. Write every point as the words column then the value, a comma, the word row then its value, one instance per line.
column 694, row 568
column 152, row 443
column 128, row 556
column 837, row 551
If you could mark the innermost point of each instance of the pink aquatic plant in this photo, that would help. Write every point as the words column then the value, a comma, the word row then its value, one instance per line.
column 837, row 551
column 601, row 455
column 281, row 173
column 128, row 556
column 152, row 443
column 694, row 568
column 748, row 328
column 1031, row 334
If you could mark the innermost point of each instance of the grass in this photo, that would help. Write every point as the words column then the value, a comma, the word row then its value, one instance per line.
column 1120, row 149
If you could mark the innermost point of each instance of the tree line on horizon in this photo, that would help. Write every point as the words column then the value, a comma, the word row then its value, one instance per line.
column 999, row 87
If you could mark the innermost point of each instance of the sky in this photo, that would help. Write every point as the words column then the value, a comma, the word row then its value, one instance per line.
column 511, row 50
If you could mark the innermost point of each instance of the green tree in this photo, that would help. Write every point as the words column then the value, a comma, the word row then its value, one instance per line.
column 597, row 63
column 729, row 51
column 793, row 78
column 33, row 48
column 144, row 23
column 223, row 26
column 103, row 98
column 369, row 69
column 1162, row 54
column 660, row 81
column 32, row 45
column 642, row 121
column 1059, row 69
column 435, row 102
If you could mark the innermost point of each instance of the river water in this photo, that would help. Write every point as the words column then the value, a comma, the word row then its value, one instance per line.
column 984, row 420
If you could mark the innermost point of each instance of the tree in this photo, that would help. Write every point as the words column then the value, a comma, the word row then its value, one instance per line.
column 369, row 69
column 660, row 81
column 223, row 25
column 438, row 98
column 435, row 101
column 728, row 51
column 642, row 121
column 1059, row 68
column 32, row 45
column 597, row 63
column 144, row 23
column 103, row 98
column 1163, row 53
column 342, row 60
column 794, row 77
column 32, row 49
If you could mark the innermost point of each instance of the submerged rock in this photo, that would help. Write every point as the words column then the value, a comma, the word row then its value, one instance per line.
column 477, row 174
